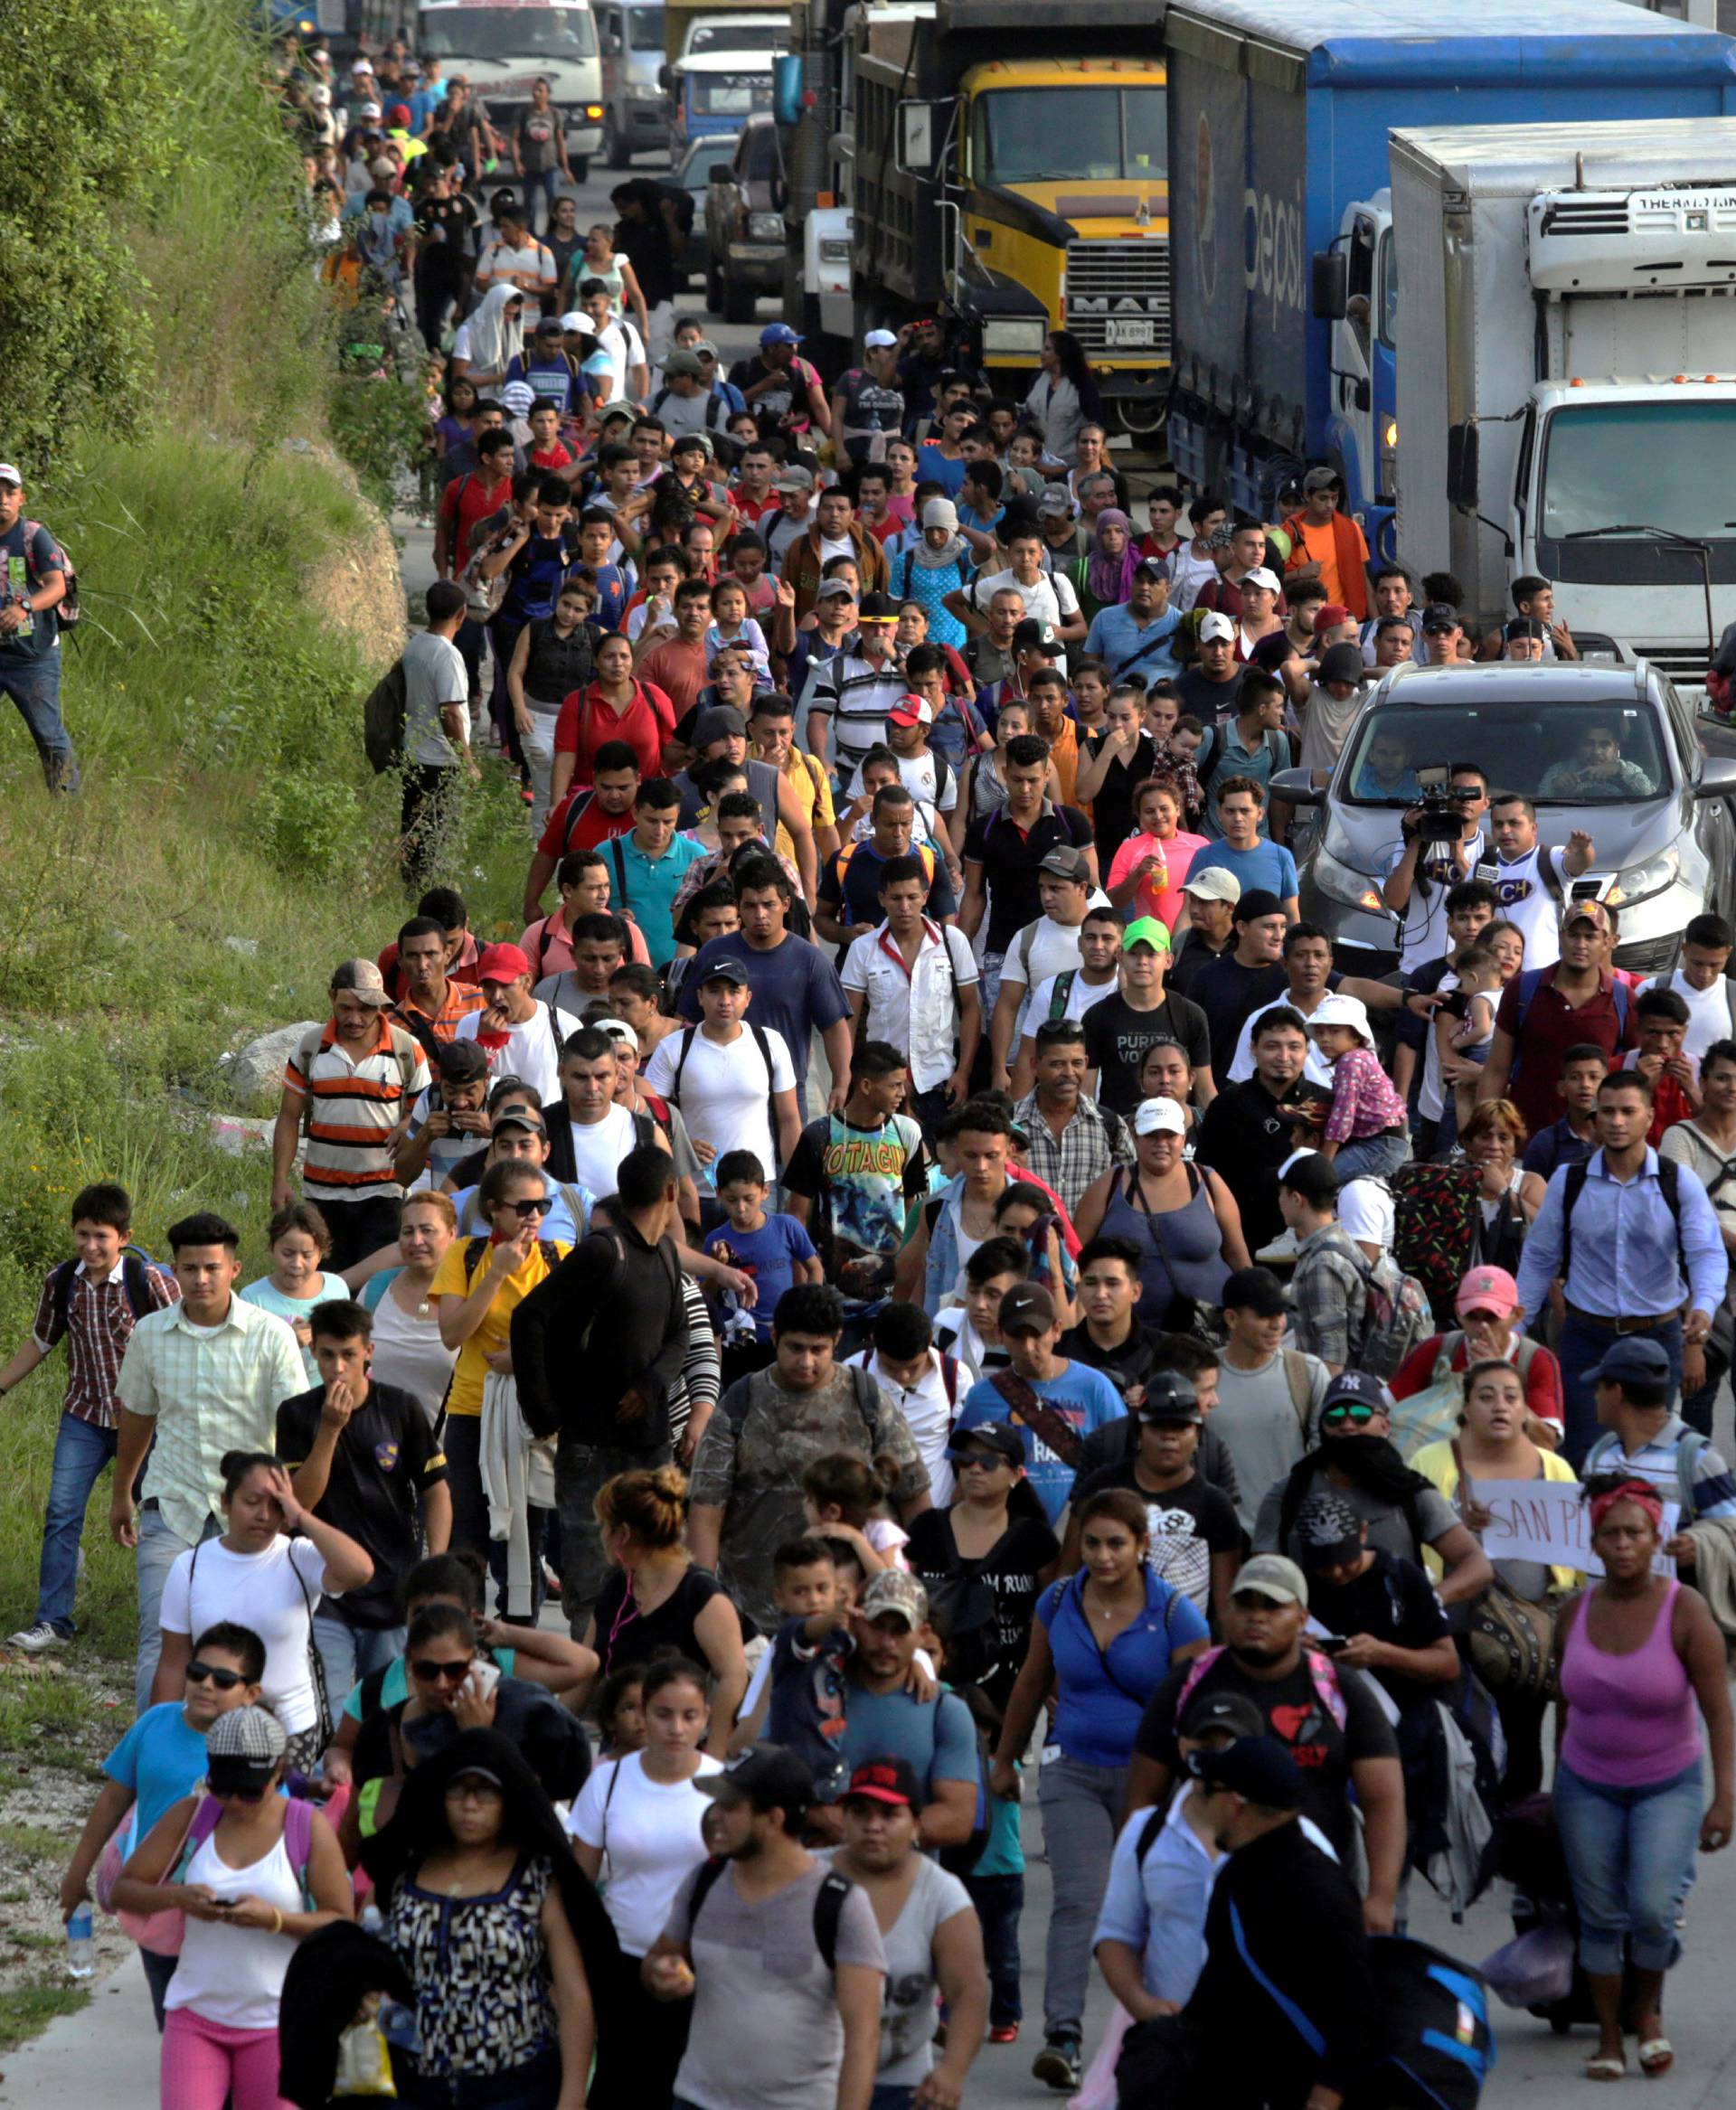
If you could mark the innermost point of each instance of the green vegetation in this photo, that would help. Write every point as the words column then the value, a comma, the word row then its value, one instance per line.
column 26, row 2010
column 174, row 402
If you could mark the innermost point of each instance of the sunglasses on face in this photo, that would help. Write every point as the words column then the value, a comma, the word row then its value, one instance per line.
column 1356, row 1416
column 198, row 1673
column 431, row 1672
column 240, row 1792
column 538, row 1205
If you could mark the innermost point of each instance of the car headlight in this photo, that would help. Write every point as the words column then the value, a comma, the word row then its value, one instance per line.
column 765, row 227
column 591, row 114
column 1636, row 881
column 1341, row 882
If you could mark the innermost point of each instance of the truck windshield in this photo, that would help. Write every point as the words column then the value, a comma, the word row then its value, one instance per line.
column 1562, row 754
column 1070, row 135
column 506, row 32
column 737, row 36
column 644, row 29
column 1659, row 465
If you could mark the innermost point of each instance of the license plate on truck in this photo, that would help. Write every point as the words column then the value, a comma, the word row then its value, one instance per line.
column 1123, row 333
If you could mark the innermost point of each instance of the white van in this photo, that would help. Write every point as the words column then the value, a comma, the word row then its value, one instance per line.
column 503, row 47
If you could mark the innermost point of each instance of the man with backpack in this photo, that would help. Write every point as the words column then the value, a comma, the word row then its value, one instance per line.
column 1545, row 1011
column 1353, row 1313
column 745, row 1488
column 38, row 600
column 782, row 1957
column 1643, row 1438
column 1634, row 1240
column 433, row 737
column 92, row 1303
column 604, row 1388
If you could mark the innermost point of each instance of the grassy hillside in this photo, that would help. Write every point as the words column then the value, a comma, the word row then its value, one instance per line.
column 230, row 844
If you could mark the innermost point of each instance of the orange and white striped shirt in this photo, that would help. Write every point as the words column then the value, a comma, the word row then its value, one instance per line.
column 355, row 1109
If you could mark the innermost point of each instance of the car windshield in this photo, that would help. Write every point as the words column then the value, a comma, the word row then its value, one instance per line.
column 1559, row 754
column 644, row 29
column 696, row 171
column 1640, row 465
column 738, row 36
column 507, row 32
column 1071, row 135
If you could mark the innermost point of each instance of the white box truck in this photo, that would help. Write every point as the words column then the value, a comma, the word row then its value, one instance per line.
column 1567, row 372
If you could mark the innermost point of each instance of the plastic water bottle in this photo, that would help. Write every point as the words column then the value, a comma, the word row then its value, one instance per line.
column 80, row 1944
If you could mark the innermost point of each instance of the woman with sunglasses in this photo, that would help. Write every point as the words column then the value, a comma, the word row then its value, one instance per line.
column 270, row 1581
column 160, row 1759
column 477, row 1287
column 253, row 1873
column 512, row 1960
column 452, row 1683
column 1642, row 1662
column 1405, row 1514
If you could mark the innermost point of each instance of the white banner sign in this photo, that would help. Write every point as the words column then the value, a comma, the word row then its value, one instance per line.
column 1548, row 1521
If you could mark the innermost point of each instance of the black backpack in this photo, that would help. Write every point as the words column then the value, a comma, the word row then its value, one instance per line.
column 1436, row 2043
column 133, row 1280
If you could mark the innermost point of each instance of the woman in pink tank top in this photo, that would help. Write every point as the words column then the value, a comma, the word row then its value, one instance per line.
column 1641, row 1660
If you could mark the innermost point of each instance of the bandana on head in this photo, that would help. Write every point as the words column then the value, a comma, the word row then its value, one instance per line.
column 1635, row 1491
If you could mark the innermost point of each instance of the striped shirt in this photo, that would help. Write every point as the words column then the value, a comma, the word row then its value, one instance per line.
column 1714, row 1488
column 461, row 999
column 208, row 1389
column 96, row 1323
column 857, row 694
column 355, row 1108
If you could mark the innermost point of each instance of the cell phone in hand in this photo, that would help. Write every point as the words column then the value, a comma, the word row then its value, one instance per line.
column 1333, row 1642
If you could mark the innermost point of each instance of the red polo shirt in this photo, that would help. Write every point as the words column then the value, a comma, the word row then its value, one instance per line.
column 587, row 722
column 1552, row 1027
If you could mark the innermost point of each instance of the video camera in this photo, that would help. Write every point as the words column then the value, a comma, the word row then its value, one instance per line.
column 1439, row 809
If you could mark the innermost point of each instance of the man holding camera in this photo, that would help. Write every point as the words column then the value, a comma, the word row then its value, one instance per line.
column 1432, row 858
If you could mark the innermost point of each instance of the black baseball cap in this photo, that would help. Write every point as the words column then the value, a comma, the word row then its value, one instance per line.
column 726, row 969
column 1439, row 616
column 461, row 1061
column 1170, row 1399
column 1255, row 903
column 885, row 1780
column 765, row 1775
column 1033, row 631
column 1257, row 1767
column 1027, row 1308
column 1221, row 1713
column 1352, row 1387
column 987, row 1436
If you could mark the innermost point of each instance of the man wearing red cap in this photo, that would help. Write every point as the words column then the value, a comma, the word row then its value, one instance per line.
column 1489, row 1331
column 522, row 1037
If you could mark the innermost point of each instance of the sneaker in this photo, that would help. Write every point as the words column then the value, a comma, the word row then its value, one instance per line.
column 1059, row 2063
column 1281, row 1249
column 1004, row 2033
column 36, row 1641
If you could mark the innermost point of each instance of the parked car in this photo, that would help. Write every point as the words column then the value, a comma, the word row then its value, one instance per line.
column 692, row 174
column 744, row 223
column 635, row 110
column 1657, row 809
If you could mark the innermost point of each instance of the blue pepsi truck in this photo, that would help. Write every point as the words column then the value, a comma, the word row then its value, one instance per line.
column 1287, row 312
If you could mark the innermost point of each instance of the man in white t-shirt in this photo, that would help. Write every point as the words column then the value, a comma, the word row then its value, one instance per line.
column 522, row 1037
column 1071, row 992
column 594, row 1126
column 630, row 374
column 1047, row 596
column 730, row 1082
column 1701, row 984
column 1531, row 882
column 1048, row 947
column 922, row 1383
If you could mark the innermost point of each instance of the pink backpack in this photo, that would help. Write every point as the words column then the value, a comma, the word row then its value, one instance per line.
column 163, row 1932
column 1326, row 1688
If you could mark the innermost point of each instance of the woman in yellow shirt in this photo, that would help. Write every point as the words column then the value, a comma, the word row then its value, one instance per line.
column 477, row 1288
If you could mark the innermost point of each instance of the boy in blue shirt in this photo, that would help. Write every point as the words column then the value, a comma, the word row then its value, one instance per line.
column 775, row 1251
column 1054, row 1403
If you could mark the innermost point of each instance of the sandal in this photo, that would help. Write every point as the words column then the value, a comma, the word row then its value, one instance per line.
column 1604, row 2066
column 1656, row 2056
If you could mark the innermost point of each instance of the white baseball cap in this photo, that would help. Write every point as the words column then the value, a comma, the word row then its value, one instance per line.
column 8, row 474
column 1261, row 576
column 1159, row 1117
column 573, row 320
column 1214, row 625
column 878, row 339
column 1343, row 1010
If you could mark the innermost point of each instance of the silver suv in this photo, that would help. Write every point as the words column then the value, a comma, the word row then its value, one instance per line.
column 1611, row 750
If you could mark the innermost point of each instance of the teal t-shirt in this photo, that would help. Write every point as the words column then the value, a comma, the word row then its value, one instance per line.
column 159, row 1759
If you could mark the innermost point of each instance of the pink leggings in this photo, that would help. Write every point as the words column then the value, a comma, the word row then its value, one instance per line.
column 205, row 2062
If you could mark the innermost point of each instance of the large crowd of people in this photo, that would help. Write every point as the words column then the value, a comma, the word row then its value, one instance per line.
column 916, row 1286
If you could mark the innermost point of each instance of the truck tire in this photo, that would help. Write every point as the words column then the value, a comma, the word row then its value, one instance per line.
column 615, row 156
column 738, row 302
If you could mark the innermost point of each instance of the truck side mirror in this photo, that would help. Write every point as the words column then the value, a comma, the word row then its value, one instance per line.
column 1331, row 287
column 666, row 79
column 1461, row 466
column 787, row 88
column 919, row 138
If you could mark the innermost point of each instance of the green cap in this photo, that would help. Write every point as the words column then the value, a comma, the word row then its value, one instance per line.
column 1144, row 930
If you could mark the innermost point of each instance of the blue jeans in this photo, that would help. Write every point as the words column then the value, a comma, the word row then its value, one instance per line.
column 82, row 1451
column 1582, row 1348
column 999, row 1900
column 352, row 1653
column 1631, row 1857
column 1081, row 1808
column 548, row 182
column 35, row 686
column 158, row 1550
column 1371, row 1157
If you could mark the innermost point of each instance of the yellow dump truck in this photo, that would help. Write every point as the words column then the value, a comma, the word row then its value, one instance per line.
column 1009, row 163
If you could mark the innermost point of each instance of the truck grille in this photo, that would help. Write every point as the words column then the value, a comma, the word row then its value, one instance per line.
column 1685, row 664
column 1117, row 297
